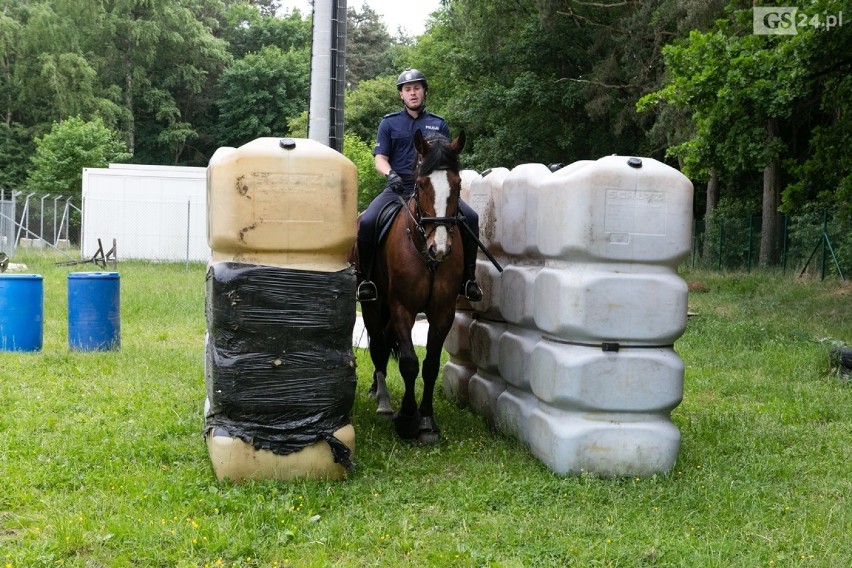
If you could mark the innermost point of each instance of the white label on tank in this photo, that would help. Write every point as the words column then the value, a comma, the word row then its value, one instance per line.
column 635, row 212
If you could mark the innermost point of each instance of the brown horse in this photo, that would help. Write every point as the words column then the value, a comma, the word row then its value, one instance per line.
column 418, row 269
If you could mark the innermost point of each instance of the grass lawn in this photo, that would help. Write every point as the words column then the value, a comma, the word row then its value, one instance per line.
column 103, row 462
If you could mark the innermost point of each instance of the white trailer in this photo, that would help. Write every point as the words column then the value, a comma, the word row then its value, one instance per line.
column 152, row 212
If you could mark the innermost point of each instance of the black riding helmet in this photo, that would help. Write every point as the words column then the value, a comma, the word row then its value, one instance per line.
column 411, row 76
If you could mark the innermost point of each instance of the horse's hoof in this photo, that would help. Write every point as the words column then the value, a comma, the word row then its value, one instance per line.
column 407, row 426
column 430, row 434
column 384, row 408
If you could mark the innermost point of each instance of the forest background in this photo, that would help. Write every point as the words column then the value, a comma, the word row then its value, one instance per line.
column 760, row 122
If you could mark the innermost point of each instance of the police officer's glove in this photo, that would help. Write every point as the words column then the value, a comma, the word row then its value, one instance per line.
column 394, row 181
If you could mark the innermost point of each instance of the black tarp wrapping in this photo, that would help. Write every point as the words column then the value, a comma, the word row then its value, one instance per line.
column 280, row 371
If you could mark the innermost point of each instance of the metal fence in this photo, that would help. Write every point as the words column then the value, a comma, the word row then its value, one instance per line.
column 816, row 243
column 37, row 221
column 139, row 229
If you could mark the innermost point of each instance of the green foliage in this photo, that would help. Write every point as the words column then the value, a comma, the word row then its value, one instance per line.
column 529, row 80
column 365, row 106
column 16, row 147
column 370, row 182
column 260, row 92
column 70, row 146
column 248, row 28
column 368, row 47
column 732, row 84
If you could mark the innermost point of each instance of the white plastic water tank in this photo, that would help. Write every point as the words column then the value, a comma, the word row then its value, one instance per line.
column 483, row 390
column 605, row 444
column 468, row 177
column 618, row 209
column 590, row 379
column 517, row 293
column 485, row 344
column 459, row 369
column 483, row 193
column 594, row 303
column 512, row 412
column 457, row 341
column 491, row 282
column 514, row 355
column 455, row 380
column 517, row 209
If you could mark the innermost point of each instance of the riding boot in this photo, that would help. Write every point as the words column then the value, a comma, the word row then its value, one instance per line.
column 366, row 289
column 470, row 289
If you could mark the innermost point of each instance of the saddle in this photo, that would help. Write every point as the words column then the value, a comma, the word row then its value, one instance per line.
column 386, row 217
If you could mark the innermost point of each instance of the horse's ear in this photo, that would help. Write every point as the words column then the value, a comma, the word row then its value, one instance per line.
column 458, row 144
column 420, row 143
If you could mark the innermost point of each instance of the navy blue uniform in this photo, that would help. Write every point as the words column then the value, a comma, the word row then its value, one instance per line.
column 395, row 139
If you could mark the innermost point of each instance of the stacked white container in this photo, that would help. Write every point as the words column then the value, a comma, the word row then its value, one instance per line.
column 582, row 368
column 478, row 191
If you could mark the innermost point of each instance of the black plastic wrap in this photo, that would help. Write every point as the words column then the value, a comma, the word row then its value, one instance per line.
column 280, row 371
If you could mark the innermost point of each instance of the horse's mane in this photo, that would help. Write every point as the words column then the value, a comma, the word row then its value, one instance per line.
column 439, row 157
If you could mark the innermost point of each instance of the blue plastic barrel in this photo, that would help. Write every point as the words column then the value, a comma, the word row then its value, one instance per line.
column 94, row 314
column 21, row 312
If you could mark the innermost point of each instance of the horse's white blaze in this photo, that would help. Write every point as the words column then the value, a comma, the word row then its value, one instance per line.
column 441, row 187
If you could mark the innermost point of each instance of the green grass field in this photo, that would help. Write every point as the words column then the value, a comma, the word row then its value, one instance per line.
column 103, row 462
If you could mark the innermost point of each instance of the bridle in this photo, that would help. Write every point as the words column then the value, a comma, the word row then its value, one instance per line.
column 420, row 221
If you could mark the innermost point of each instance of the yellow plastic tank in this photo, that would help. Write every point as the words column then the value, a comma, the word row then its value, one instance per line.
column 288, row 202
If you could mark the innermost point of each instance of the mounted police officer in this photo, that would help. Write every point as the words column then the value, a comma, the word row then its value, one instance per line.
column 396, row 159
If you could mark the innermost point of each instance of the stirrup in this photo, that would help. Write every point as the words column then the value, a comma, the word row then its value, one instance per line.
column 366, row 292
column 471, row 291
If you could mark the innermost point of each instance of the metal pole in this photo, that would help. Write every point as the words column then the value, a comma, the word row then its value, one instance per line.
column 55, row 237
column 188, row 209
column 41, row 225
column 25, row 219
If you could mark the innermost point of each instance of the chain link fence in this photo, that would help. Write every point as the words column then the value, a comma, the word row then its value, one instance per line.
column 38, row 221
column 138, row 229
column 814, row 243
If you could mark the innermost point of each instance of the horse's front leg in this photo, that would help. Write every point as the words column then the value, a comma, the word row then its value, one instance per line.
column 407, row 419
column 429, row 431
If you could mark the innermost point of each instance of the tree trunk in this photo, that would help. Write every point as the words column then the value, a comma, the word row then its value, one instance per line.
column 712, row 201
column 771, row 200
column 128, row 101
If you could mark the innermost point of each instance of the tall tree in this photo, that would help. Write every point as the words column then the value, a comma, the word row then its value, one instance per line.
column 742, row 90
column 70, row 146
column 250, row 26
column 260, row 93
column 368, row 46
column 164, row 57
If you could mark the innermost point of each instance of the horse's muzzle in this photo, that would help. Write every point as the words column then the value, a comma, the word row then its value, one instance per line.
column 437, row 253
